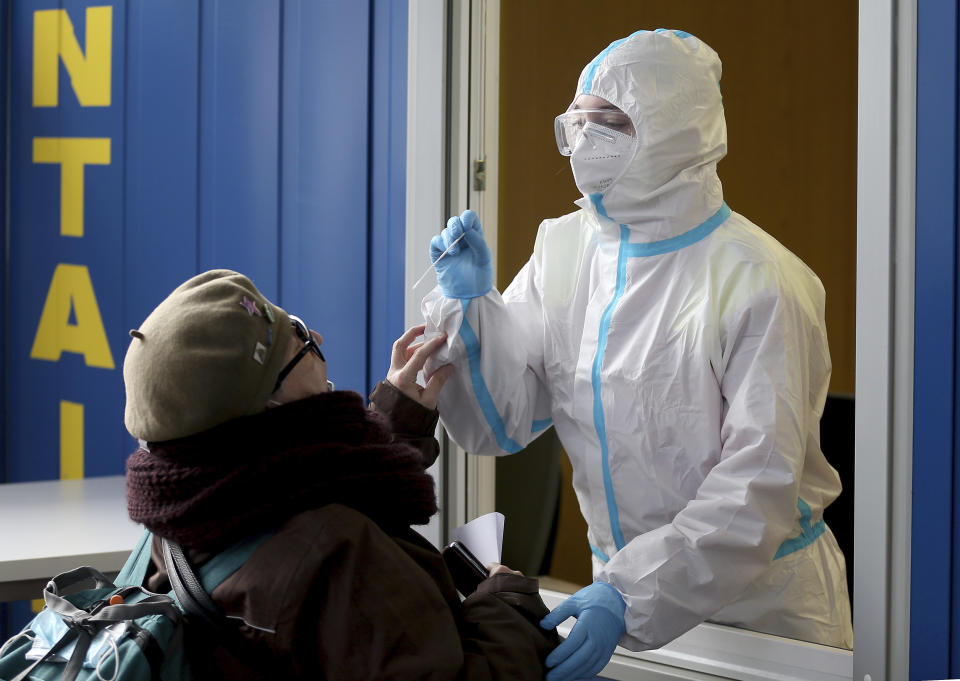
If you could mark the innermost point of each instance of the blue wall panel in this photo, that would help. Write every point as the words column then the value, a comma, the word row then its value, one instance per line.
column 388, row 124
column 4, row 46
column 324, row 170
column 949, row 103
column 239, row 128
column 161, row 195
column 4, row 73
column 934, row 651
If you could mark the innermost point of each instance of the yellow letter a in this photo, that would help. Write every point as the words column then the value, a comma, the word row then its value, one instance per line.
column 53, row 37
column 71, row 289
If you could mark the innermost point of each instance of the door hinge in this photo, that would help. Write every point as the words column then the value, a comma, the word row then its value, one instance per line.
column 479, row 175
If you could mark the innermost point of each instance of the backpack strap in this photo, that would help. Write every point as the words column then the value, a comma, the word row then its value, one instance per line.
column 194, row 600
column 134, row 571
column 193, row 591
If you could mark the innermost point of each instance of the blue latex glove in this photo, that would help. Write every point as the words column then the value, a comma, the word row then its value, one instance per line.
column 466, row 271
column 599, row 611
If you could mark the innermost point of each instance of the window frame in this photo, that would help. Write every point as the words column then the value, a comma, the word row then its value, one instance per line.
column 460, row 98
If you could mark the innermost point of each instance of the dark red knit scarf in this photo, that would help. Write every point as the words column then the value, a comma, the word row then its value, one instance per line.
column 253, row 473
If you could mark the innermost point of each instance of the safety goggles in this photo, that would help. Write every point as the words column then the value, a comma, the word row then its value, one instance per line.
column 309, row 345
column 568, row 126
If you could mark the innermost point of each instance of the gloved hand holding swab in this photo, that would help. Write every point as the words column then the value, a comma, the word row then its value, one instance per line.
column 468, row 272
column 417, row 283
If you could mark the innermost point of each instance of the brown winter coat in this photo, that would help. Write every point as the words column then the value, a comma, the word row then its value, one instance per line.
column 333, row 595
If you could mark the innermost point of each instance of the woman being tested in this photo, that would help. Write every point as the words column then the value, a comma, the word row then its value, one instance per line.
column 241, row 434
column 679, row 351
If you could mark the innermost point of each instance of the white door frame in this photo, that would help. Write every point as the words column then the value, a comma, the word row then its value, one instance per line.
column 886, row 170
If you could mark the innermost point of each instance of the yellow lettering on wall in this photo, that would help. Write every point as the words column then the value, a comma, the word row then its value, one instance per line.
column 71, row 440
column 54, row 38
column 72, row 153
column 72, row 290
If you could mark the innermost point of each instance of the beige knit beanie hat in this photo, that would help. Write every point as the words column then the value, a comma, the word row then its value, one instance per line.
column 209, row 353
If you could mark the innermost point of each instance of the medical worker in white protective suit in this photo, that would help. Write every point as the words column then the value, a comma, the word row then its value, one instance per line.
column 681, row 355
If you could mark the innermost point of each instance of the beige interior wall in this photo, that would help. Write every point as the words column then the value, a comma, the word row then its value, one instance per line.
column 789, row 87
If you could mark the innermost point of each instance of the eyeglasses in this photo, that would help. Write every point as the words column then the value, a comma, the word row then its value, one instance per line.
column 309, row 344
column 568, row 126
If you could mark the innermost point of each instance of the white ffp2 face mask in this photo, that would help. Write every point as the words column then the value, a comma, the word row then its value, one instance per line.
column 600, row 157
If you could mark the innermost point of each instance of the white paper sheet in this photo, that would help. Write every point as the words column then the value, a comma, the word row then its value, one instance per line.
column 483, row 536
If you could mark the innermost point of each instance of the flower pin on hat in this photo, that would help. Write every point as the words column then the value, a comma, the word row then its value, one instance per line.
column 251, row 307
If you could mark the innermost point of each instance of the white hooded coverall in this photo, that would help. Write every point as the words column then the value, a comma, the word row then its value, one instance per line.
column 680, row 352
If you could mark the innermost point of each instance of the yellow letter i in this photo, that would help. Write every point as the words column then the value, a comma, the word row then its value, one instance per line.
column 71, row 440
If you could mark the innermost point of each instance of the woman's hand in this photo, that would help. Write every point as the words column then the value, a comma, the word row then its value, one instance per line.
column 497, row 569
column 407, row 360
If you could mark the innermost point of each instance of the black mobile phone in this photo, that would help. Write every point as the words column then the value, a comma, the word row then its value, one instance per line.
column 466, row 568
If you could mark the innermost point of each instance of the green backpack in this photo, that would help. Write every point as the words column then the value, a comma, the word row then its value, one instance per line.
column 83, row 637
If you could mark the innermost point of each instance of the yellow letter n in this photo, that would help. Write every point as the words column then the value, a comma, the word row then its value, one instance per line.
column 54, row 38
column 71, row 291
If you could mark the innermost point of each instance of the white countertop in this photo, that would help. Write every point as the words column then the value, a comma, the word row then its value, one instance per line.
column 53, row 526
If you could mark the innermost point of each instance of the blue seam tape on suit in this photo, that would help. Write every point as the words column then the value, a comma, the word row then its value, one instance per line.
column 679, row 34
column 484, row 398
column 688, row 238
column 808, row 533
column 599, row 419
column 592, row 69
column 599, row 554
column 540, row 424
column 628, row 250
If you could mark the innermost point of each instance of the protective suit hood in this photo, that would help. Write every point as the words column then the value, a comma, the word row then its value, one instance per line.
column 668, row 82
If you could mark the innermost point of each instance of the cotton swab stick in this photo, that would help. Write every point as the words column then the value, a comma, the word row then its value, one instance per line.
column 437, row 260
